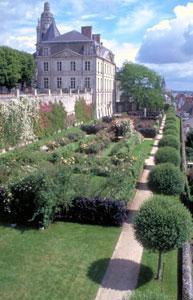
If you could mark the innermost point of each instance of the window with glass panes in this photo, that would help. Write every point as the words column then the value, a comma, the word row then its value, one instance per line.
column 73, row 83
column 46, row 66
column 87, row 65
column 73, row 66
column 46, row 83
column 59, row 82
column 59, row 66
column 87, row 82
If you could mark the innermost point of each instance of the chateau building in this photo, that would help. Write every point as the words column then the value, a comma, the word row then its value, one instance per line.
column 75, row 61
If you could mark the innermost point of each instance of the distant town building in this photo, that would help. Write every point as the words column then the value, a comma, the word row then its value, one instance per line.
column 75, row 61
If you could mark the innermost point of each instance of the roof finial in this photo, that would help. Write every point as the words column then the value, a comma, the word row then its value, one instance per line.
column 46, row 6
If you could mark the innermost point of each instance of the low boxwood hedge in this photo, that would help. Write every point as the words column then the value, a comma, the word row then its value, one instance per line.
column 170, row 141
column 148, row 132
column 96, row 211
column 168, row 155
column 166, row 179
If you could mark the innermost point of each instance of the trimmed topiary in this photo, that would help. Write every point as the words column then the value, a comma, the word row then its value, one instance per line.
column 166, row 179
column 171, row 127
column 171, row 132
column 169, row 141
column 168, row 155
column 163, row 224
column 171, row 119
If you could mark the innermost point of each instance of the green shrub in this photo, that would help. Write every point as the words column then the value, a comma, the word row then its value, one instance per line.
column 166, row 179
column 38, row 197
column 169, row 141
column 171, row 118
column 168, row 155
column 148, row 296
column 171, row 132
column 171, row 127
column 163, row 224
column 170, row 123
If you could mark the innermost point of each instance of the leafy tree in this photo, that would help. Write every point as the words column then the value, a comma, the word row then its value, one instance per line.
column 163, row 224
column 27, row 68
column 142, row 85
column 15, row 67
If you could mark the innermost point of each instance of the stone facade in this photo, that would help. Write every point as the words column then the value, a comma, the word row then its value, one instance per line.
column 75, row 61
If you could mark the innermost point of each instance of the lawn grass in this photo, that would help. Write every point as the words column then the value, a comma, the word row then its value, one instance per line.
column 144, row 148
column 67, row 261
column 169, row 283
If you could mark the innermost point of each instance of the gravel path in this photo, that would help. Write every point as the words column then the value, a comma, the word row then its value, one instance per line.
column 122, row 273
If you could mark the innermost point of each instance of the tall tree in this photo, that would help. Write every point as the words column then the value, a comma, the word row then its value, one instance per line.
column 142, row 85
column 15, row 67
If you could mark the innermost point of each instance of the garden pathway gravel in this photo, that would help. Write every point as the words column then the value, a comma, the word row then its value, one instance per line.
column 122, row 272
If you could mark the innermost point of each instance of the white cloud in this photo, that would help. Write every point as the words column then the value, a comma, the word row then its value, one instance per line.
column 135, row 20
column 170, row 41
column 122, row 51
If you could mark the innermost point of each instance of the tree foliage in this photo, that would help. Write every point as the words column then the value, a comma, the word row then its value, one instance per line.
column 163, row 224
column 16, row 67
column 142, row 85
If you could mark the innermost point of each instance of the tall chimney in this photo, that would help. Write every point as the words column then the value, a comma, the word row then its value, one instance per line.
column 87, row 31
column 96, row 38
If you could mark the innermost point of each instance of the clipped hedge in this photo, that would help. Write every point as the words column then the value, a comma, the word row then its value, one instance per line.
column 148, row 132
column 97, row 211
column 171, row 127
column 92, row 128
column 170, row 141
column 168, row 155
column 166, row 179
column 171, row 132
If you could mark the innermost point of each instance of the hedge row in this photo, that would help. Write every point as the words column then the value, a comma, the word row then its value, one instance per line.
column 38, row 199
column 166, row 177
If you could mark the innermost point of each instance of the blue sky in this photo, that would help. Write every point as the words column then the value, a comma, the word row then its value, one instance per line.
column 156, row 33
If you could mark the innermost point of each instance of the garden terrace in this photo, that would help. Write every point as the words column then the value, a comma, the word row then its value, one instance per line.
column 97, row 172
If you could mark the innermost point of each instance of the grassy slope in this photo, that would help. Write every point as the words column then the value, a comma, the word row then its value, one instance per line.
column 67, row 261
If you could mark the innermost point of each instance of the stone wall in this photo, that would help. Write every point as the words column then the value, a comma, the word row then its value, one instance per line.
column 68, row 99
column 187, row 282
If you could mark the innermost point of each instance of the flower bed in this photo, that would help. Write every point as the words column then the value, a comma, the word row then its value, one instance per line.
column 43, row 180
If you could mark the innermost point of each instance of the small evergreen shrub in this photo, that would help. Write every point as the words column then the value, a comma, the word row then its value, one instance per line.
column 168, row 155
column 171, row 132
column 148, row 132
column 92, row 128
column 171, row 119
column 171, row 127
column 169, row 141
column 166, row 179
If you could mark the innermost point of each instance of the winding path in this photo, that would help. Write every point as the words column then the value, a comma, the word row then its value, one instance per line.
column 123, row 270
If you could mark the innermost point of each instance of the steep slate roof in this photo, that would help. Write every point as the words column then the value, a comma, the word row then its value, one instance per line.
column 52, row 32
column 72, row 36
